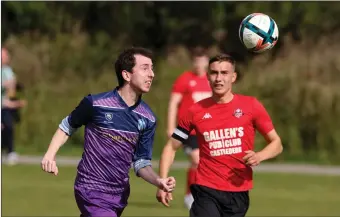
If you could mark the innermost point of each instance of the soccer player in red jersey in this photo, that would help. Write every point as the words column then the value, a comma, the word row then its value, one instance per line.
column 190, row 87
column 225, row 125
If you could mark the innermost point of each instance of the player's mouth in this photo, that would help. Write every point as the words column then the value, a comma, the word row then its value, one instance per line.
column 218, row 86
column 148, row 83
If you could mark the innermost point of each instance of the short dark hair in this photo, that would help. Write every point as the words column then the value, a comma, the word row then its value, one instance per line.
column 222, row 58
column 126, row 61
column 198, row 52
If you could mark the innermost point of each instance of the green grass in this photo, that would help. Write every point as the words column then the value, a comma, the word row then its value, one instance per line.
column 27, row 191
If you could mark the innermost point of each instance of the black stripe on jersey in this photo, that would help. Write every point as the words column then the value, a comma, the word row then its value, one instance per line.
column 175, row 136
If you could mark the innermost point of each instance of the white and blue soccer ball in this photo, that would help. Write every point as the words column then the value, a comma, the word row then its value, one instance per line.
column 258, row 32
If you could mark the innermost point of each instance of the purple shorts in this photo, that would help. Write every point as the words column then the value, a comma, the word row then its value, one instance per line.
column 96, row 203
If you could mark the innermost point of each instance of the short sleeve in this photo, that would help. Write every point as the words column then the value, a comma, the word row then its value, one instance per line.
column 145, row 144
column 261, row 118
column 180, row 85
column 143, row 152
column 184, row 127
column 80, row 116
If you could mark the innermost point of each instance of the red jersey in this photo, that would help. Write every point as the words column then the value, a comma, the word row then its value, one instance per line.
column 193, row 88
column 225, row 132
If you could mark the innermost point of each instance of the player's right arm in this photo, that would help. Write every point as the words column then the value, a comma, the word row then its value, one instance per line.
column 181, row 133
column 81, row 115
column 175, row 100
column 177, row 92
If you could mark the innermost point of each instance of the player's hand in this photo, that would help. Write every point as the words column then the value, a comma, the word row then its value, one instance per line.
column 167, row 184
column 252, row 158
column 22, row 103
column 164, row 197
column 49, row 165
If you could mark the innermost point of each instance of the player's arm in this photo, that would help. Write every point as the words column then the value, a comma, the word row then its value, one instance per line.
column 175, row 100
column 264, row 125
column 168, row 155
column 13, row 104
column 142, row 160
column 81, row 115
column 274, row 147
column 181, row 133
column 178, row 89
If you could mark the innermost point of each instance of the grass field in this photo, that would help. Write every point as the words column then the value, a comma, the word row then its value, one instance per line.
column 27, row 191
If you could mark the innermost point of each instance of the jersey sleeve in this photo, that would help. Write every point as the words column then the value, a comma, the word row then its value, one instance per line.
column 179, row 85
column 184, row 127
column 261, row 118
column 143, row 152
column 80, row 116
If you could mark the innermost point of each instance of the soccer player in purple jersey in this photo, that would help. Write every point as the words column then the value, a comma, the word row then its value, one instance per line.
column 119, row 132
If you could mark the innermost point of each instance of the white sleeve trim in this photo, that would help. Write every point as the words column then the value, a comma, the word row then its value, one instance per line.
column 65, row 126
column 181, row 134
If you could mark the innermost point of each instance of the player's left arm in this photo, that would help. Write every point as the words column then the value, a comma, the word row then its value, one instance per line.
column 264, row 125
column 142, row 160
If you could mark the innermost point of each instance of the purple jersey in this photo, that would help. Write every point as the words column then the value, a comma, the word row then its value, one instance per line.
column 116, row 136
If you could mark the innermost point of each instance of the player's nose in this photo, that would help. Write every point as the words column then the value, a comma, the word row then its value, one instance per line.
column 219, row 77
column 151, row 73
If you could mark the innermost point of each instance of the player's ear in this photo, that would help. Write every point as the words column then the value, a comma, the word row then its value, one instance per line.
column 234, row 77
column 126, row 75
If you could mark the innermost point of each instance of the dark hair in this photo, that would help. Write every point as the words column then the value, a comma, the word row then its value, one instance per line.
column 222, row 58
column 198, row 52
column 126, row 61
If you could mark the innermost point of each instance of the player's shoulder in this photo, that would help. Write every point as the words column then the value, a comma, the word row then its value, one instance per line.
column 105, row 99
column 250, row 101
column 101, row 95
column 202, row 105
column 144, row 110
column 186, row 75
column 245, row 98
column 98, row 97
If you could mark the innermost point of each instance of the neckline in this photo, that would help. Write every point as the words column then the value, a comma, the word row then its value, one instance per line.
column 121, row 100
column 227, row 103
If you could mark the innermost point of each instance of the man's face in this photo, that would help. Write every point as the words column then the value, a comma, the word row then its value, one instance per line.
column 142, row 74
column 201, row 64
column 221, row 76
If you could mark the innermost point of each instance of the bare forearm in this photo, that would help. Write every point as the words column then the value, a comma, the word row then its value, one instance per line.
column 58, row 139
column 167, row 158
column 272, row 150
column 149, row 175
column 172, row 116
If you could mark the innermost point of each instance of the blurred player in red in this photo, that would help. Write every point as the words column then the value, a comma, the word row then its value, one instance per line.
column 225, row 126
column 190, row 87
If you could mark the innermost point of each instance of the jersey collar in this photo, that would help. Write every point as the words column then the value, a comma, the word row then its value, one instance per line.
column 116, row 94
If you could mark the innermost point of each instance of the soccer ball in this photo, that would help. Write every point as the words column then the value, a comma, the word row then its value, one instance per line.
column 258, row 32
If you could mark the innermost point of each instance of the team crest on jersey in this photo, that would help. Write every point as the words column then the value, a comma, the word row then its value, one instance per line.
column 238, row 113
column 141, row 124
column 108, row 116
column 192, row 83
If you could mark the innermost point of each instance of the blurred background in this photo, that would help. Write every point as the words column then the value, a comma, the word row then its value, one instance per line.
column 61, row 51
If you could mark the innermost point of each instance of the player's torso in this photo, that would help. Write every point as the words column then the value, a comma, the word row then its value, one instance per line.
column 110, row 143
column 224, row 132
column 225, row 129
column 197, row 88
column 117, row 127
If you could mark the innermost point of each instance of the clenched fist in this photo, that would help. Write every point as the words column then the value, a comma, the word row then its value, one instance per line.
column 49, row 165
